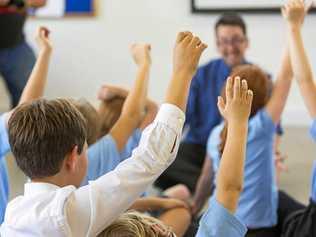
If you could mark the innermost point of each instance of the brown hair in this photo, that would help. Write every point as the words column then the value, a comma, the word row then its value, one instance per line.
column 92, row 119
column 109, row 113
column 134, row 224
column 258, row 82
column 42, row 133
column 231, row 19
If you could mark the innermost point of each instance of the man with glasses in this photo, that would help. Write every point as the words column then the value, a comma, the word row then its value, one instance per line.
column 202, row 114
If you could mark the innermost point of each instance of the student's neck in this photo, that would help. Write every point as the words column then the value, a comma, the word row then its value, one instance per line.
column 56, row 180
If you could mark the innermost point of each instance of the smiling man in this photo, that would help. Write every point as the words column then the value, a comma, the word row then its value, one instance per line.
column 202, row 114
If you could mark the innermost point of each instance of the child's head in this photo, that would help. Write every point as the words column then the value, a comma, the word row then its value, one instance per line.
column 109, row 113
column 48, row 139
column 258, row 82
column 134, row 224
column 92, row 119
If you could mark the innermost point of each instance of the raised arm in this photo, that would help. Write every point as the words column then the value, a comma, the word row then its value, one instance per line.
column 281, row 88
column 36, row 3
column 35, row 86
column 294, row 13
column 135, row 101
column 236, row 112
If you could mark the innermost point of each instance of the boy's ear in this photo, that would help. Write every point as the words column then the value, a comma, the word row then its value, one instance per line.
column 72, row 159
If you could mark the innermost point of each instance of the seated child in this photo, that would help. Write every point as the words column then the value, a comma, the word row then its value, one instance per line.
column 301, row 222
column 33, row 89
column 219, row 220
column 258, row 202
column 48, row 140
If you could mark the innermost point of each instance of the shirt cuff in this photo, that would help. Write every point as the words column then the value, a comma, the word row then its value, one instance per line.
column 313, row 130
column 172, row 116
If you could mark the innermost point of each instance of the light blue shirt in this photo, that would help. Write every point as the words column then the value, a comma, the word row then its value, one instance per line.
column 217, row 221
column 103, row 156
column 313, row 134
column 4, row 184
column 258, row 203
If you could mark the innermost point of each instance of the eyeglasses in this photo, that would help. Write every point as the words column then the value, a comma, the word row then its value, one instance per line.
column 235, row 41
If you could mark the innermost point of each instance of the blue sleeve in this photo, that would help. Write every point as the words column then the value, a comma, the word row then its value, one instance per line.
column 4, row 139
column 313, row 130
column 212, row 146
column 313, row 193
column 103, row 157
column 262, row 124
column 131, row 144
column 217, row 221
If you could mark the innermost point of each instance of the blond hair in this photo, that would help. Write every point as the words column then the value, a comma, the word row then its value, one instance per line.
column 135, row 224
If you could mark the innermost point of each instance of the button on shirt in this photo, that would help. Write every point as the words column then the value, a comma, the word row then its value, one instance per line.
column 51, row 211
column 257, row 206
column 4, row 149
column 217, row 221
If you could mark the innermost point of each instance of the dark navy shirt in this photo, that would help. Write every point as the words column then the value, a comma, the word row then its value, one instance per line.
column 202, row 114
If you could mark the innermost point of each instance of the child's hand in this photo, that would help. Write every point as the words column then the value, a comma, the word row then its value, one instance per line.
column 42, row 38
column 170, row 203
column 238, row 101
column 187, row 53
column 294, row 12
column 141, row 54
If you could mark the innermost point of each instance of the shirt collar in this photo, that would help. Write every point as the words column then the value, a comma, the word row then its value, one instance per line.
column 32, row 188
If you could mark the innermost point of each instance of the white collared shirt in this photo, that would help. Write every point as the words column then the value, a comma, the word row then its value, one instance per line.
column 50, row 211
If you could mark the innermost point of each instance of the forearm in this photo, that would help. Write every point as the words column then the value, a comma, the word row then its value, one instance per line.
column 231, row 172
column 302, row 69
column 36, row 84
column 136, row 99
column 178, row 89
column 150, row 114
column 147, row 204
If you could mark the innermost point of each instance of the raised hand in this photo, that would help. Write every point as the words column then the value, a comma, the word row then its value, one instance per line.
column 170, row 203
column 187, row 53
column 294, row 11
column 238, row 102
column 141, row 54
column 42, row 39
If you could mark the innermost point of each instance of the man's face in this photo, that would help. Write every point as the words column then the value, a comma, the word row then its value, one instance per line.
column 232, row 44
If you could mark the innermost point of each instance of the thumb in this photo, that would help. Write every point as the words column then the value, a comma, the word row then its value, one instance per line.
column 221, row 105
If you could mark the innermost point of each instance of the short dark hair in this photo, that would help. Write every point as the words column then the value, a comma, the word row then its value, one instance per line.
column 42, row 133
column 231, row 19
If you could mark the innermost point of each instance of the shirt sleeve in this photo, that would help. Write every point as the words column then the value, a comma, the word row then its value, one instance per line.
column 213, row 142
column 313, row 130
column 262, row 123
column 4, row 139
column 103, row 157
column 104, row 199
column 219, row 222
column 313, row 193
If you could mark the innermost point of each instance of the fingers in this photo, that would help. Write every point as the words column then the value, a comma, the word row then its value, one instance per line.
column 244, row 90
column 43, row 32
column 181, row 36
column 229, row 89
column 249, row 97
column 237, row 88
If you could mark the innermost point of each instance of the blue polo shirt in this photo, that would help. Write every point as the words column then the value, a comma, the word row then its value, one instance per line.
column 4, row 184
column 258, row 203
column 103, row 156
column 313, row 134
column 217, row 221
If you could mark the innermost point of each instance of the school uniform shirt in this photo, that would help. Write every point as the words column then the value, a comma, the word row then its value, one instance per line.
column 103, row 156
column 4, row 149
column 217, row 221
column 258, row 203
column 52, row 211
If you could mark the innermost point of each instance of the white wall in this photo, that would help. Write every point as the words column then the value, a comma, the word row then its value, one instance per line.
column 89, row 52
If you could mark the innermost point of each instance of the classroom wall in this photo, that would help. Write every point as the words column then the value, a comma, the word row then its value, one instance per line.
column 92, row 51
